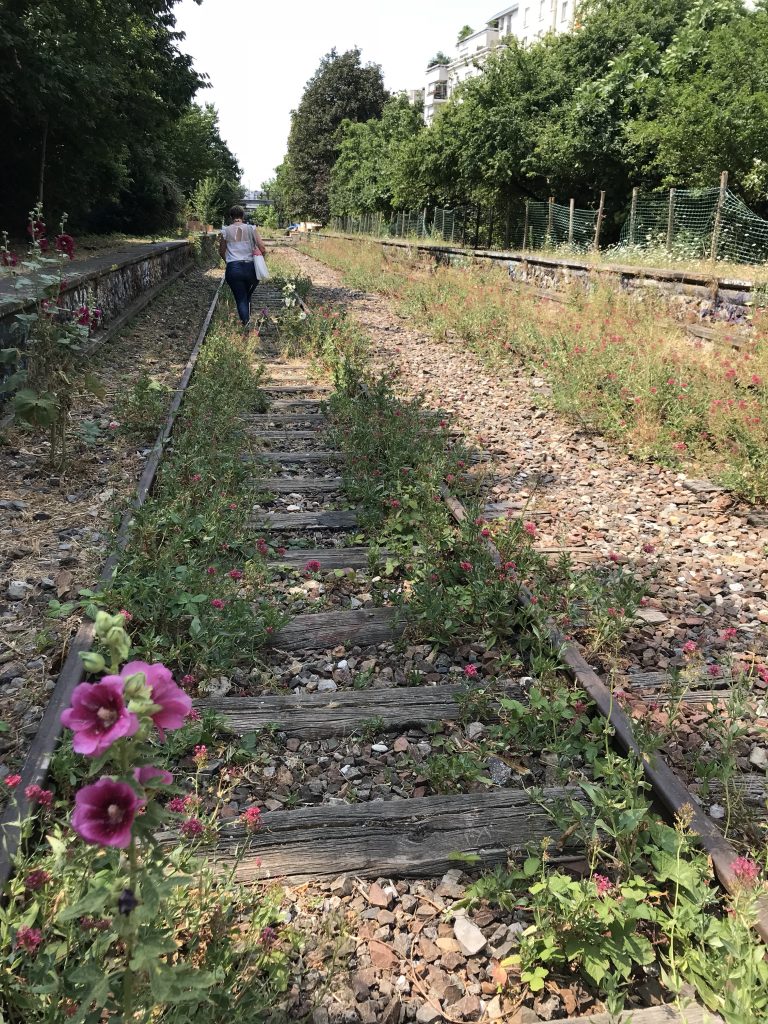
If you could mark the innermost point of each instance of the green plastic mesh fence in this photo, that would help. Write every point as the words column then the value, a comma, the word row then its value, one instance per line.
column 550, row 225
column 684, row 224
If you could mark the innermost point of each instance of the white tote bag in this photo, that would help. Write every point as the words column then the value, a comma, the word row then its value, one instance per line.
column 262, row 271
column 260, row 264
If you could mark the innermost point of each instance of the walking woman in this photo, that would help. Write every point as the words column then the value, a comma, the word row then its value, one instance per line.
column 238, row 244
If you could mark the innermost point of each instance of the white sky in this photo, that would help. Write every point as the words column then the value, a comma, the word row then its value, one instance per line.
column 259, row 56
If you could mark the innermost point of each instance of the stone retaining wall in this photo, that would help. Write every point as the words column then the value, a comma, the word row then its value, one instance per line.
column 110, row 282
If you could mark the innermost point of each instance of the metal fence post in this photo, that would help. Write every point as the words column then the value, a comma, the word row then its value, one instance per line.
column 671, row 220
column 719, row 214
column 599, row 222
column 571, row 212
column 550, row 221
column 633, row 216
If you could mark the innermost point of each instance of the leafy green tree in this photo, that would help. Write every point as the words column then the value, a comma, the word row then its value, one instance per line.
column 90, row 95
column 362, row 179
column 342, row 89
column 464, row 32
column 439, row 58
column 198, row 150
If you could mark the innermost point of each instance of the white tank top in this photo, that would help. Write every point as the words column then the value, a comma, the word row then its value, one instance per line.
column 241, row 241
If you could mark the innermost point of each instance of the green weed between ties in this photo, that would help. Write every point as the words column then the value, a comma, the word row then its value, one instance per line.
column 194, row 574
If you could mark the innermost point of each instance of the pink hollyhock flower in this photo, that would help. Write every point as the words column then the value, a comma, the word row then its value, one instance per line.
column 174, row 704
column 147, row 772
column 192, row 828
column 28, row 939
column 98, row 716
column 37, row 879
column 251, row 818
column 104, row 813
column 746, row 870
column 470, row 670
column 44, row 797
column 12, row 781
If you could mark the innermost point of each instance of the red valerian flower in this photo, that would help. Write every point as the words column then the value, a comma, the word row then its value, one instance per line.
column 105, row 811
column 530, row 529
column 465, row 566
column 44, row 797
column 602, row 884
column 470, row 670
column 28, row 939
column 192, row 828
column 251, row 818
column 12, row 781
column 217, row 603
column 312, row 566
column 98, row 716
column 37, row 879
column 746, row 870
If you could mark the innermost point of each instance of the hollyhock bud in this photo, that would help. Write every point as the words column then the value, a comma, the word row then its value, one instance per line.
column 172, row 704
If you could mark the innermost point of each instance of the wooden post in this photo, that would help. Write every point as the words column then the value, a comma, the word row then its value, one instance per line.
column 633, row 216
column 571, row 212
column 424, row 222
column 719, row 215
column 477, row 229
column 525, row 225
column 599, row 222
column 671, row 220
column 550, row 221
column 490, row 228
column 507, row 224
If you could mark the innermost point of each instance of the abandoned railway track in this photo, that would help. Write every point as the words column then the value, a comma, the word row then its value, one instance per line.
column 361, row 726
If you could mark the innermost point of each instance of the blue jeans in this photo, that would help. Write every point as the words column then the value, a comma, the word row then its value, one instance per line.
column 240, row 275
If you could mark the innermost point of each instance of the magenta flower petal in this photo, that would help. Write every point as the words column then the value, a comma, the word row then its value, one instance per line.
column 147, row 772
column 98, row 716
column 174, row 704
column 104, row 813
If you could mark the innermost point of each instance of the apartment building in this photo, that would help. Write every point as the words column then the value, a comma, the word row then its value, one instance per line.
column 527, row 20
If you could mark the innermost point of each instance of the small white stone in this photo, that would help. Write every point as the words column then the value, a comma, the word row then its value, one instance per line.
column 717, row 812
column 326, row 686
column 759, row 757
column 380, row 748
column 468, row 936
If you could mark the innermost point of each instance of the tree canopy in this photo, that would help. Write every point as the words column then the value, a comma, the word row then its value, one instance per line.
column 649, row 93
column 341, row 90
column 97, row 113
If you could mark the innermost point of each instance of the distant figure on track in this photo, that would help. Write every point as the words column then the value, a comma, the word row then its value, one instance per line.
column 238, row 244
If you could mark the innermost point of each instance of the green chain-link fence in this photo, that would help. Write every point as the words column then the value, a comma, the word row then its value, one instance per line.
column 702, row 223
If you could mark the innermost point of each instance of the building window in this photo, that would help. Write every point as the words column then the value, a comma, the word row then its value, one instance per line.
column 564, row 11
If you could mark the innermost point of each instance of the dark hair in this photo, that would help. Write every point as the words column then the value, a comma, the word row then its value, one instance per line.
column 236, row 212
